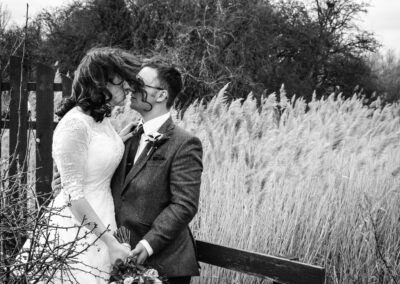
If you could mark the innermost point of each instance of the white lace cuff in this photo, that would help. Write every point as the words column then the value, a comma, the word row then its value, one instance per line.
column 73, row 190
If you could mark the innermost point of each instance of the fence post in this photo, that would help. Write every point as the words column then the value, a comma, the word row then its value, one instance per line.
column 1, row 119
column 15, row 82
column 66, row 86
column 44, row 130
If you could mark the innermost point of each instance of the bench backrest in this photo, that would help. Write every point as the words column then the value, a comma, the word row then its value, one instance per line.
column 279, row 269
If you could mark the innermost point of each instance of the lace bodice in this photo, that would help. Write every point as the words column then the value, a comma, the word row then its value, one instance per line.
column 86, row 154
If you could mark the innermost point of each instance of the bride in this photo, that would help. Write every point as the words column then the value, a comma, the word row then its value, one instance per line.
column 86, row 151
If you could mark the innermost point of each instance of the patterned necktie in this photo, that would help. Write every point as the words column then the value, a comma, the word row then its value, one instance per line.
column 137, row 133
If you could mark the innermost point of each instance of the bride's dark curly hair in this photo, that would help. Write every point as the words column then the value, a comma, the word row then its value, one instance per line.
column 97, row 68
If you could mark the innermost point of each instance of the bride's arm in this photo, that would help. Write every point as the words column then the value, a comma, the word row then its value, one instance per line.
column 71, row 154
column 83, row 211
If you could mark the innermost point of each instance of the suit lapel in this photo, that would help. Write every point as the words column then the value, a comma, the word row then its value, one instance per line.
column 138, row 165
column 124, row 161
column 146, row 154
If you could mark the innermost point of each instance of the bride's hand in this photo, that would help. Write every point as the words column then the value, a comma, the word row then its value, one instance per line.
column 126, row 132
column 118, row 251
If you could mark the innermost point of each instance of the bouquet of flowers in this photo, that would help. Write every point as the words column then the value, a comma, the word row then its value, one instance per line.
column 129, row 272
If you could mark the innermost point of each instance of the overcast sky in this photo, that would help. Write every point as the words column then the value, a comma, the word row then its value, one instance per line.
column 383, row 17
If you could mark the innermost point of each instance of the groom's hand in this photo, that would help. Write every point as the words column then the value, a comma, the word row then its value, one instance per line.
column 56, row 182
column 140, row 252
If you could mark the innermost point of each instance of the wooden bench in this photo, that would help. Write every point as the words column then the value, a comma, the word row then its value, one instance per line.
column 281, row 270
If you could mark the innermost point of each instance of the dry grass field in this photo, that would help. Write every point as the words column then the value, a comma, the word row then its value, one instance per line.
column 321, row 184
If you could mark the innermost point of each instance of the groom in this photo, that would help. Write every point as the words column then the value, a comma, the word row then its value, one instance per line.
column 156, row 187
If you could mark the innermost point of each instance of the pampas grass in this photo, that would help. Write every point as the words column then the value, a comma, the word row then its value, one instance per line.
column 321, row 185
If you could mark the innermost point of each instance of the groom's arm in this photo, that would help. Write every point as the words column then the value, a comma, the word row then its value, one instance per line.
column 185, row 179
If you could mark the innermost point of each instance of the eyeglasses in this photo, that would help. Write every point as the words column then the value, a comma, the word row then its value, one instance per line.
column 148, row 86
column 153, row 87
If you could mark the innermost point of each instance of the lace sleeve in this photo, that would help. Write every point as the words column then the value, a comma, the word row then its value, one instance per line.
column 70, row 153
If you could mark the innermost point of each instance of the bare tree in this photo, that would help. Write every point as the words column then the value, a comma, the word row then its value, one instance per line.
column 5, row 17
column 31, row 250
column 386, row 67
column 339, row 34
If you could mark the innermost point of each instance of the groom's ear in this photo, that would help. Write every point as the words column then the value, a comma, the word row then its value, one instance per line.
column 162, row 96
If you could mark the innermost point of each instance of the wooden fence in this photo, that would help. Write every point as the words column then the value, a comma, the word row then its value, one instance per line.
column 280, row 269
column 44, row 125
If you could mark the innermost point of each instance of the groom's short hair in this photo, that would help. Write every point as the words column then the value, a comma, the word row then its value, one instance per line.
column 170, row 79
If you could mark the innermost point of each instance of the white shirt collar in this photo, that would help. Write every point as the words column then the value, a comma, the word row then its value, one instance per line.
column 154, row 124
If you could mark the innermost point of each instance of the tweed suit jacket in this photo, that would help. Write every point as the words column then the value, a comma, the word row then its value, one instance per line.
column 159, row 196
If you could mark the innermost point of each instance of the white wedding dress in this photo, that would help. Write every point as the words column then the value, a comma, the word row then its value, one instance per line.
column 86, row 154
